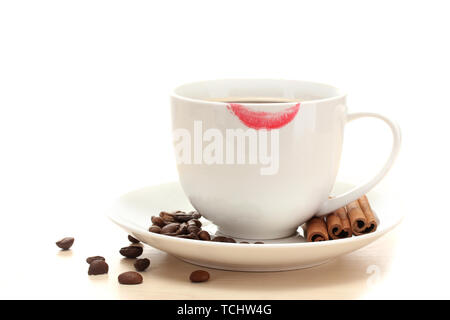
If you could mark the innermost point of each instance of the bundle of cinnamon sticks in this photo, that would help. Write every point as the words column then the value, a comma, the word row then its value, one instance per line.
column 356, row 218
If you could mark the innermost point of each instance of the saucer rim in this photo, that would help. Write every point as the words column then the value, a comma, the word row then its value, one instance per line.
column 126, row 224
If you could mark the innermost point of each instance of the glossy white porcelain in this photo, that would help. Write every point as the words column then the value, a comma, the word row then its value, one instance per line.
column 133, row 211
column 239, row 199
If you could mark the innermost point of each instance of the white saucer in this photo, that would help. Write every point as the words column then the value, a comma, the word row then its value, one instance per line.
column 133, row 211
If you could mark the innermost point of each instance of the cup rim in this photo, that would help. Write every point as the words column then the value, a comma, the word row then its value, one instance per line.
column 340, row 93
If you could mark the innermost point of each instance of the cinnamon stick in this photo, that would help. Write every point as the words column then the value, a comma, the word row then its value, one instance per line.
column 338, row 224
column 362, row 219
column 372, row 223
column 316, row 230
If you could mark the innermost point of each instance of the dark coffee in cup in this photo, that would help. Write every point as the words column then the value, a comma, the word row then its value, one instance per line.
column 255, row 100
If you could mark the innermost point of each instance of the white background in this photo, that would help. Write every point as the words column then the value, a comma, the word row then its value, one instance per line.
column 85, row 117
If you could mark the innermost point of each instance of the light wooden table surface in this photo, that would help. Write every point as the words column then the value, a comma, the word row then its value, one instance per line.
column 41, row 270
column 412, row 261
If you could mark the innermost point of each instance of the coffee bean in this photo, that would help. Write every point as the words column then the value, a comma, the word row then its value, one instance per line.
column 132, row 240
column 130, row 277
column 244, row 242
column 182, row 229
column 224, row 239
column 195, row 215
column 131, row 251
column 193, row 229
column 166, row 216
column 197, row 222
column 199, row 276
column 230, row 240
column 158, row 221
column 174, row 216
column 204, row 235
column 178, row 216
column 182, row 217
column 98, row 267
column 91, row 259
column 184, row 236
column 154, row 229
column 220, row 239
column 188, row 236
column 191, row 223
column 195, row 235
column 259, row 242
column 65, row 243
column 170, row 228
column 142, row 264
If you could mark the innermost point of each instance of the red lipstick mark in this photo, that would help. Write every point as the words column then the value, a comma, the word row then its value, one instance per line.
column 263, row 120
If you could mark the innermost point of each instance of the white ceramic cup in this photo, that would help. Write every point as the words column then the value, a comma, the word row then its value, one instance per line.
column 242, row 200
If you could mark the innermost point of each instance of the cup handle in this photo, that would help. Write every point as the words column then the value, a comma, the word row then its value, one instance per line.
column 338, row 202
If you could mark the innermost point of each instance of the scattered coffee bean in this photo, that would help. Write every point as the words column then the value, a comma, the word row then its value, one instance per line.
column 193, row 229
column 130, row 277
column 185, row 236
column 142, row 264
column 131, row 251
column 204, row 235
column 199, row 276
column 132, row 240
column 195, row 215
column 91, row 259
column 166, row 216
column 155, row 229
column 183, row 225
column 65, row 243
column 195, row 222
column 170, row 228
column 259, row 242
column 220, row 239
column 177, row 216
column 98, row 267
column 158, row 221
column 182, row 229
column 188, row 236
column 244, row 242
column 224, row 239
column 182, row 217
